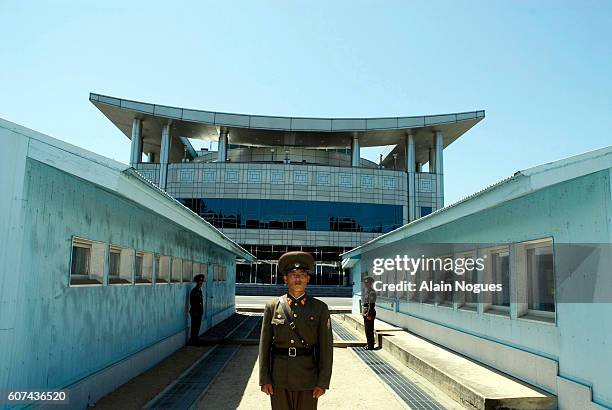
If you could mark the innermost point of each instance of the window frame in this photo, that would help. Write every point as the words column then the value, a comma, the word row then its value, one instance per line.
column 488, row 305
column 203, row 271
column 441, row 299
column 96, row 262
column 462, row 303
column 163, row 269
column 127, row 261
column 176, row 270
column 145, row 276
column 187, row 265
column 523, row 279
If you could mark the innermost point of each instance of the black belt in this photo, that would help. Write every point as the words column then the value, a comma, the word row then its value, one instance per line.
column 368, row 304
column 291, row 351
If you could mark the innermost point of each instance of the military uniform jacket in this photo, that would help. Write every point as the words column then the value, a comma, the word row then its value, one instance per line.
column 311, row 318
column 196, row 302
column 369, row 296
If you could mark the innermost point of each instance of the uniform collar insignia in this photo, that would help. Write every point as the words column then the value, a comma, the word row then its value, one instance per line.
column 301, row 300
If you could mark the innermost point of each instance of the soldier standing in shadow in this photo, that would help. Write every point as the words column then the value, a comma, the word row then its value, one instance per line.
column 369, row 312
column 196, row 310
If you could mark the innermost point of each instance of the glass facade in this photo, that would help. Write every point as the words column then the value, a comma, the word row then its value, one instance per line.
column 267, row 273
column 327, row 270
column 425, row 210
column 300, row 215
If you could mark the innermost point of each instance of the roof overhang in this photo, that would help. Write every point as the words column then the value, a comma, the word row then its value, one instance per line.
column 259, row 130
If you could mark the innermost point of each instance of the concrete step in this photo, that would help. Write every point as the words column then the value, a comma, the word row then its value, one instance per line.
column 356, row 321
column 471, row 384
column 346, row 336
column 349, row 343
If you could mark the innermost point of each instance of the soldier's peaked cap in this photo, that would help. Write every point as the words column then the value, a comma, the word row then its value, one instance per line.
column 295, row 260
column 368, row 279
column 198, row 278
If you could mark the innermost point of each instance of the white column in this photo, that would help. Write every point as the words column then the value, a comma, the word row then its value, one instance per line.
column 411, row 169
column 164, row 156
column 355, row 155
column 136, row 151
column 432, row 159
column 222, row 147
column 518, row 282
column 439, row 168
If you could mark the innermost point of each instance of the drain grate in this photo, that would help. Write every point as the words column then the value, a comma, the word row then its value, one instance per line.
column 226, row 326
column 405, row 389
column 256, row 333
column 341, row 331
column 190, row 386
column 246, row 328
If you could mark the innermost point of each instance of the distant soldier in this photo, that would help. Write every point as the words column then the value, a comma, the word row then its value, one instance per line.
column 196, row 310
column 369, row 312
column 296, row 345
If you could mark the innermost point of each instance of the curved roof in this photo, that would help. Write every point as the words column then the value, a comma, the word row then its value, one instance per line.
column 261, row 130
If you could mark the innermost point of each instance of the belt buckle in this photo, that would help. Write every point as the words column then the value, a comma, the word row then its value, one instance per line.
column 294, row 352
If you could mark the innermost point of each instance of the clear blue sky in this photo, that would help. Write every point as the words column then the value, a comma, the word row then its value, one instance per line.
column 542, row 70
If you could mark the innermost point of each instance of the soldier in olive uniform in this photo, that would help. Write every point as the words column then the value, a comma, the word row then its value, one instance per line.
column 196, row 310
column 369, row 312
column 296, row 345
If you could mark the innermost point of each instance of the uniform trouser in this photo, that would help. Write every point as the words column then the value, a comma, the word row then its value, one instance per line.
column 196, row 322
column 284, row 399
column 368, row 324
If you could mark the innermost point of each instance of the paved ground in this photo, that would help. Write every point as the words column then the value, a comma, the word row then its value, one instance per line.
column 353, row 386
column 138, row 391
column 254, row 300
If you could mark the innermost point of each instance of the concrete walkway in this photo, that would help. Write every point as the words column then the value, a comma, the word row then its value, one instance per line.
column 225, row 374
column 353, row 386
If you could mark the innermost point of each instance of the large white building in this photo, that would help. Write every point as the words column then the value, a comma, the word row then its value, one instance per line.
column 286, row 183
